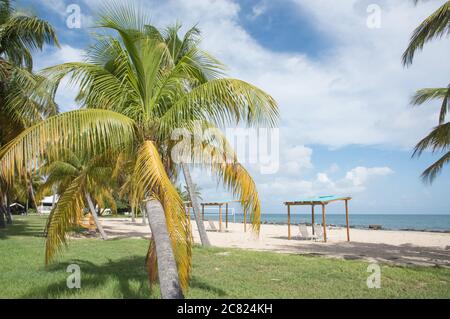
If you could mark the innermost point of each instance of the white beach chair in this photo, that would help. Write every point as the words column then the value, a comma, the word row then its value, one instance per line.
column 304, row 232
column 318, row 231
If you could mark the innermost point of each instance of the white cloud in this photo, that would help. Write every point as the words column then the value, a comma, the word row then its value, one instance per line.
column 359, row 175
column 296, row 159
column 356, row 93
column 57, row 6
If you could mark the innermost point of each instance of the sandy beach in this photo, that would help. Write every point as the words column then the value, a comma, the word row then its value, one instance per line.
column 396, row 247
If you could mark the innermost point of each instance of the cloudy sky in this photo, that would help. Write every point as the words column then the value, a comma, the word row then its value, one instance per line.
column 334, row 68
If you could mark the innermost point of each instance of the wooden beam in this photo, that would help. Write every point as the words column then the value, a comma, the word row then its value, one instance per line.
column 289, row 221
column 203, row 212
column 312, row 219
column 324, row 223
column 220, row 218
column 346, row 220
column 226, row 215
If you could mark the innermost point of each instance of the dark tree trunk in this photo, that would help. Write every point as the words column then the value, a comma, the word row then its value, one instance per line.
column 195, row 206
column 169, row 281
column 9, row 219
column 2, row 216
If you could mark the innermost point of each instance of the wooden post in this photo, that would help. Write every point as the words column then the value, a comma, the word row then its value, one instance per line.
column 203, row 212
column 245, row 220
column 312, row 219
column 226, row 215
column 220, row 218
column 324, row 223
column 289, row 221
column 346, row 220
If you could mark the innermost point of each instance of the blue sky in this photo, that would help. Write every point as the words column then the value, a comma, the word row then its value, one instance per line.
column 346, row 124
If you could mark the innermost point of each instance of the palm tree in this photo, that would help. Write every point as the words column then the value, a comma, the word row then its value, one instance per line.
column 435, row 26
column 135, row 94
column 22, row 103
column 196, row 190
column 91, row 175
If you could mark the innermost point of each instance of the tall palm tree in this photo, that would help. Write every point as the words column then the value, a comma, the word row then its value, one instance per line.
column 91, row 175
column 435, row 26
column 21, row 102
column 135, row 95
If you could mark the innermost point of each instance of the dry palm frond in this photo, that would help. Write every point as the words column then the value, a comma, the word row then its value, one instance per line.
column 66, row 214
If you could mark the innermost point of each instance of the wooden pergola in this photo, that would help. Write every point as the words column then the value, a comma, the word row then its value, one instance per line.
column 220, row 205
column 322, row 201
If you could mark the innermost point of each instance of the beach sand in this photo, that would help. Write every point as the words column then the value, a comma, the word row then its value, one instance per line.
column 396, row 247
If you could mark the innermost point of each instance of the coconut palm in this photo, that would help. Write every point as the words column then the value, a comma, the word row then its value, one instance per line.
column 91, row 175
column 23, row 101
column 136, row 94
column 435, row 26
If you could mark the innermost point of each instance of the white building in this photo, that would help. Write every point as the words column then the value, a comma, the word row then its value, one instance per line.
column 46, row 204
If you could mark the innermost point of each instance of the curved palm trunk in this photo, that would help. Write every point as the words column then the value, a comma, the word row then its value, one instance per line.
column 169, row 282
column 195, row 206
column 94, row 214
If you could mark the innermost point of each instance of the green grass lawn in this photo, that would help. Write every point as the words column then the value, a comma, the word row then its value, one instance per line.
column 115, row 269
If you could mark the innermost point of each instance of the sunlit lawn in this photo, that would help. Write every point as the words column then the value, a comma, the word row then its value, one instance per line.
column 115, row 269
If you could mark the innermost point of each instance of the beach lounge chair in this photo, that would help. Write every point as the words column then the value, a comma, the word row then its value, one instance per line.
column 318, row 231
column 304, row 232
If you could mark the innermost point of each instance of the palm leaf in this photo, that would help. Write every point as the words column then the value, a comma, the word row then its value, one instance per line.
column 428, row 94
column 66, row 214
column 437, row 140
column 89, row 131
column 435, row 26
column 431, row 172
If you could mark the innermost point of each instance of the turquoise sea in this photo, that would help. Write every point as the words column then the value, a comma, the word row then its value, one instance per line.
column 388, row 221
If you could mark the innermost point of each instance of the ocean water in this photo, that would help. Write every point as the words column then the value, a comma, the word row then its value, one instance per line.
column 387, row 221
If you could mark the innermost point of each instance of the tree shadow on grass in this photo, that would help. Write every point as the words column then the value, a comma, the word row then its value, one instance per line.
column 200, row 284
column 127, row 274
column 23, row 226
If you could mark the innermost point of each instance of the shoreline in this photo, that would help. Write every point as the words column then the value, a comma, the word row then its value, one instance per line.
column 362, row 227
column 388, row 246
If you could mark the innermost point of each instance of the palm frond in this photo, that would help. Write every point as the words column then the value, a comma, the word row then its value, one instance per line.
column 438, row 140
column 428, row 94
column 221, row 102
column 217, row 154
column 431, row 172
column 66, row 214
column 435, row 26
column 83, row 131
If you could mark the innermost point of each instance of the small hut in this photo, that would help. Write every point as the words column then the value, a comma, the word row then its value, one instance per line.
column 322, row 201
